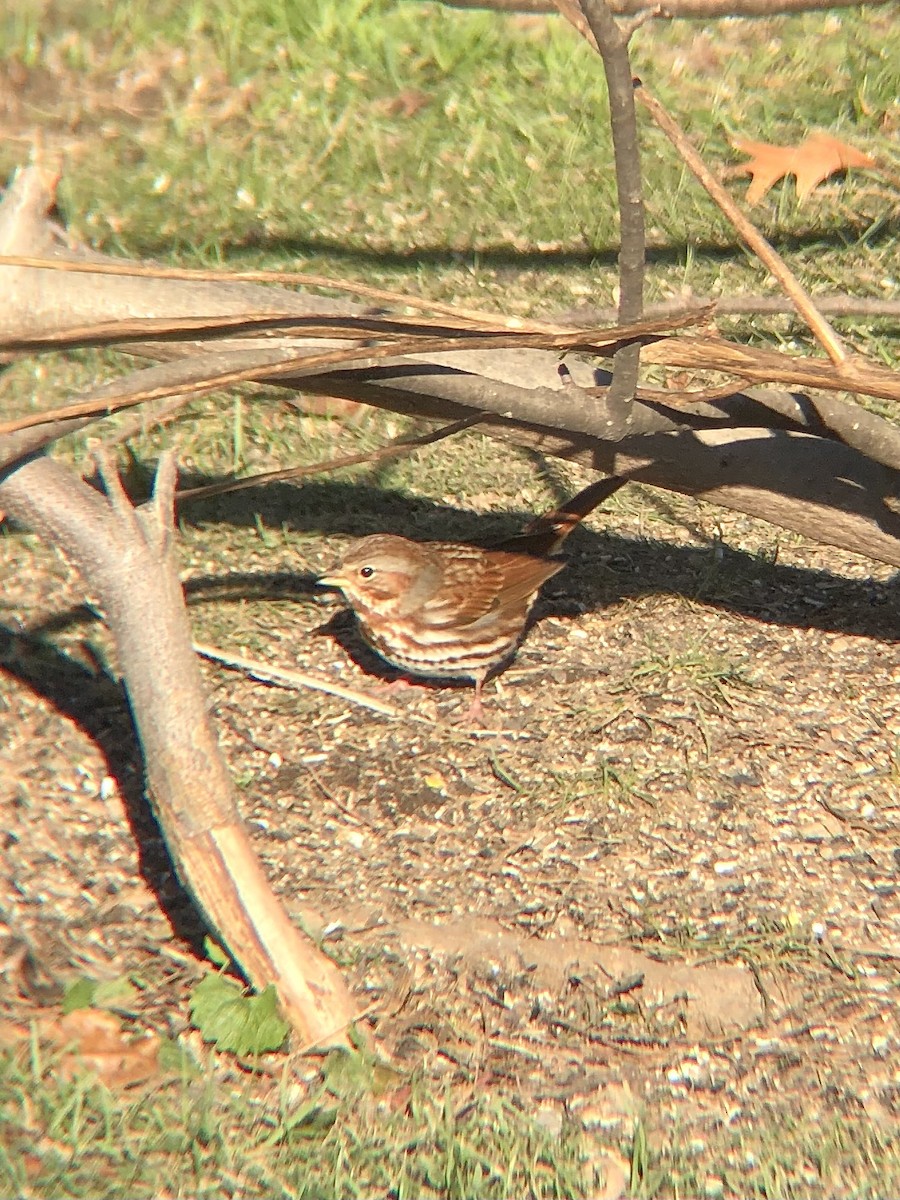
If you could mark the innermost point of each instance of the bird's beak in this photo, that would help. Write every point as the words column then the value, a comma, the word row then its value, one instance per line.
column 335, row 579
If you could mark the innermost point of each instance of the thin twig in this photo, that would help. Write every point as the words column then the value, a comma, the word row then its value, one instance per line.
column 294, row 679
column 824, row 333
column 394, row 450
column 629, row 28
column 613, row 48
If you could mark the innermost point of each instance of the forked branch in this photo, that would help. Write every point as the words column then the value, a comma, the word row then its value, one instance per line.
column 125, row 557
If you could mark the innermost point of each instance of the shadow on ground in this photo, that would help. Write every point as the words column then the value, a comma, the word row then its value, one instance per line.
column 97, row 704
column 505, row 257
column 603, row 568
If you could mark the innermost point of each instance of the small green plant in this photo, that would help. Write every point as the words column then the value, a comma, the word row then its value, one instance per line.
column 108, row 993
column 232, row 1017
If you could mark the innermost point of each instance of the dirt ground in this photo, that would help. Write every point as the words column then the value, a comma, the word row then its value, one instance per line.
column 663, row 884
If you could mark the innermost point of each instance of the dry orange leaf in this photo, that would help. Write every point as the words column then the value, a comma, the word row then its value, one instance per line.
column 95, row 1042
column 812, row 161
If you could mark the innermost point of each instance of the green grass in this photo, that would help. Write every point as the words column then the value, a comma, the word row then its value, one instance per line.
column 796, row 1158
column 259, row 1136
column 269, row 132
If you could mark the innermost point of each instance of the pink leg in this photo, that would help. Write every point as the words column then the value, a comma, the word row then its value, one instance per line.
column 475, row 712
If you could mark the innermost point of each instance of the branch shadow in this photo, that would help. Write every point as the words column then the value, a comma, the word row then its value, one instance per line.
column 98, row 705
column 603, row 568
column 502, row 256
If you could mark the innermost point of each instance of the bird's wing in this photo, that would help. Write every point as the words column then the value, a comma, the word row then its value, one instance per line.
column 523, row 576
column 503, row 583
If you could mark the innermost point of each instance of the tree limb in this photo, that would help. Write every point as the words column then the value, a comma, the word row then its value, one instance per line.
column 831, row 493
column 125, row 558
column 522, row 388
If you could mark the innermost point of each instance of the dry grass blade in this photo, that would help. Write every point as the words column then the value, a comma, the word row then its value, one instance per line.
column 395, row 450
column 294, row 679
column 835, row 304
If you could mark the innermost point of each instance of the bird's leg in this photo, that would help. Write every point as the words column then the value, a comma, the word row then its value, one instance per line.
column 475, row 712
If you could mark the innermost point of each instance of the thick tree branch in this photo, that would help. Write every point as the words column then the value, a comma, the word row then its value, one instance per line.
column 822, row 489
column 557, row 420
column 523, row 387
column 125, row 558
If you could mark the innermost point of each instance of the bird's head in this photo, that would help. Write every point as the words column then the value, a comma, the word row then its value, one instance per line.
column 383, row 574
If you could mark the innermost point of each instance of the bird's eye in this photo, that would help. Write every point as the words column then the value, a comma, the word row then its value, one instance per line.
column 366, row 572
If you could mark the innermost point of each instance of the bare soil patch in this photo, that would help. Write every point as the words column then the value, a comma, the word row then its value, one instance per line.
column 665, row 883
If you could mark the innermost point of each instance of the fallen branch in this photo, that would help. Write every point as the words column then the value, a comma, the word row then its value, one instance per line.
column 125, row 558
column 532, row 416
column 521, row 388
column 822, row 489
column 274, row 362
column 840, row 304
column 109, row 266
column 295, row 363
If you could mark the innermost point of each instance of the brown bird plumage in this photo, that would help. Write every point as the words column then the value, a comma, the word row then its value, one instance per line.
column 452, row 610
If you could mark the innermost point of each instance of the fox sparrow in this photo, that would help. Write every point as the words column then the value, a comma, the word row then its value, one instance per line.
column 451, row 610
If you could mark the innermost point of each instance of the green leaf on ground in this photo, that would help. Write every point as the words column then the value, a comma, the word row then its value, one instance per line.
column 79, row 994
column 108, row 993
column 234, row 1020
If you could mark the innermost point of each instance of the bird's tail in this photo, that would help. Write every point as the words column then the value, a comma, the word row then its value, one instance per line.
column 545, row 534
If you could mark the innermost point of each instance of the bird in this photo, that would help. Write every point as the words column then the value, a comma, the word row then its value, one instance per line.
column 455, row 610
